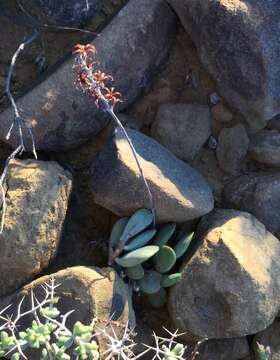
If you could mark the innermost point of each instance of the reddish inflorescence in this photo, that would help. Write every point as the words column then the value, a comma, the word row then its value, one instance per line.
column 92, row 80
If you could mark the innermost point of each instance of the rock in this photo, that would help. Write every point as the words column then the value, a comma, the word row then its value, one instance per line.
column 65, row 12
column 131, row 48
column 207, row 165
column 258, row 194
column 238, row 42
column 37, row 201
column 230, row 282
column 269, row 337
column 274, row 123
column 221, row 113
column 180, row 193
column 91, row 292
column 224, row 349
column 182, row 128
column 265, row 147
column 232, row 148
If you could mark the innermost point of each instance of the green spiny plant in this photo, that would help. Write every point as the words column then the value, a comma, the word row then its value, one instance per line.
column 263, row 352
column 168, row 348
column 145, row 254
column 47, row 334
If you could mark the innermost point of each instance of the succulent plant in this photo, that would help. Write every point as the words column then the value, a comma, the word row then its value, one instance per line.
column 145, row 254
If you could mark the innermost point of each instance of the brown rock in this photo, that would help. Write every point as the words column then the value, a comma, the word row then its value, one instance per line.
column 37, row 201
column 230, row 282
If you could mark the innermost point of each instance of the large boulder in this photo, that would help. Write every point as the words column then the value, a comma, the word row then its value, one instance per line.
column 90, row 292
column 36, row 201
column 182, row 128
column 230, row 283
column 238, row 42
column 258, row 194
column 131, row 48
column 180, row 193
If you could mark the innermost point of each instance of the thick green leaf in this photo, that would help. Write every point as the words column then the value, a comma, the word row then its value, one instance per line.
column 150, row 283
column 117, row 231
column 140, row 240
column 165, row 259
column 137, row 223
column 164, row 234
column 135, row 272
column 137, row 256
column 182, row 246
column 170, row 280
column 158, row 299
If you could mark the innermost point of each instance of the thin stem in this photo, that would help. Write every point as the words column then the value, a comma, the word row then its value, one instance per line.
column 11, row 69
column 17, row 122
column 109, row 109
column 135, row 155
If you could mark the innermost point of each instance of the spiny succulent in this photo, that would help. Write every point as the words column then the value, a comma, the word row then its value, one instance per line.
column 145, row 255
column 264, row 353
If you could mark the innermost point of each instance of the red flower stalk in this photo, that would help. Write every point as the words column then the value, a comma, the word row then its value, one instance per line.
column 93, row 81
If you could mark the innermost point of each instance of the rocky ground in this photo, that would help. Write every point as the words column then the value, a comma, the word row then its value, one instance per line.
column 200, row 83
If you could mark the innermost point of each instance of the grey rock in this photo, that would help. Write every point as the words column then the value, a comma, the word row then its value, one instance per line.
column 182, row 128
column 269, row 337
column 238, row 42
column 180, row 193
column 258, row 194
column 274, row 123
column 65, row 12
column 230, row 281
column 90, row 291
column 131, row 48
column 224, row 349
column 265, row 147
column 232, row 148
column 37, row 201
